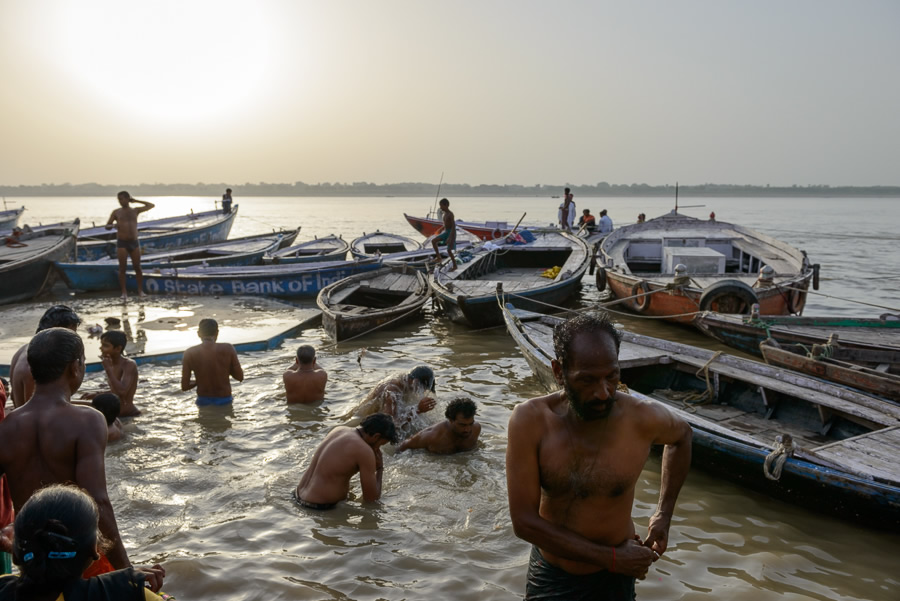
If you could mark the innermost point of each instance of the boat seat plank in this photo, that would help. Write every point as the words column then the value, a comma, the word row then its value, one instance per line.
column 339, row 295
column 873, row 454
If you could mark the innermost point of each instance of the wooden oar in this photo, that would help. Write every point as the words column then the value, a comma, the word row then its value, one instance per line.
column 517, row 224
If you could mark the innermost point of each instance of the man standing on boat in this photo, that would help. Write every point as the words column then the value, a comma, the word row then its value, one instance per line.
column 567, row 211
column 226, row 201
column 447, row 235
column 125, row 219
column 572, row 463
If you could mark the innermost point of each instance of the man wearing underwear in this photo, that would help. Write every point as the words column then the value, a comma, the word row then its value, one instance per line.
column 448, row 235
column 212, row 364
column 572, row 462
column 343, row 453
column 125, row 219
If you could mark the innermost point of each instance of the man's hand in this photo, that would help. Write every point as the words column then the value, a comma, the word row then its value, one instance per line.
column 379, row 459
column 633, row 559
column 153, row 575
column 426, row 405
column 106, row 362
column 6, row 539
column 658, row 533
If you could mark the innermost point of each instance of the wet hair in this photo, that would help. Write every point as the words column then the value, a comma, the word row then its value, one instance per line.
column 423, row 374
column 208, row 327
column 50, row 352
column 55, row 539
column 585, row 323
column 380, row 423
column 444, row 201
column 114, row 337
column 306, row 354
column 109, row 405
column 460, row 405
column 58, row 316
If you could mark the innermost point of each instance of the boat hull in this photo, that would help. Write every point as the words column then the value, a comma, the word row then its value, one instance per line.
column 26, row 279
column 10, row 219
column 430, row 227
column 216, row 230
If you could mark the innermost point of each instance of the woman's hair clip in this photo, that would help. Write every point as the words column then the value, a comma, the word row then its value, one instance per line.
column 28, row 556
column 61, row 554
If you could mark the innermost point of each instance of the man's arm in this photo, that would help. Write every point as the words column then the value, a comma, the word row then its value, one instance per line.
column 371, row 468
column 676, row 434
column 111, row 220
column 186, row 382
column 90, row 474
column 420, row 440
column 237, row 372
column 524, row 490
column 146, row 205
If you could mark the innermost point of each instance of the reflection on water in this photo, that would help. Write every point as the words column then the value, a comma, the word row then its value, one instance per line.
column 208, row 492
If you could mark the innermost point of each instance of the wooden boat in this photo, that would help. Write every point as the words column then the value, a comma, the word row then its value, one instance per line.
column 304, row 280
column 674, row 266
column 470, row 294
column 368, row 301
column 842, row 453
column 381, row 244
column 327, row 248
column 487, row 230
column 160, row 234
column 10, row 219
column 26, row 263
column 746, row 332
column 874, row 371
column 103, row 274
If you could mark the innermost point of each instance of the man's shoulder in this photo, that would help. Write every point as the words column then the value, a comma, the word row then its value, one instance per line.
column 537, row 408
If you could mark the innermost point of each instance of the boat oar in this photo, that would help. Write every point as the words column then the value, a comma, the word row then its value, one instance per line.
column 517, row 223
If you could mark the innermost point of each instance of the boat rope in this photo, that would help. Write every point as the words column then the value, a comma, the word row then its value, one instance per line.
column 604, row 306
column 265, row 223
column 849, row 300
column 784, row 448
column 691, row 399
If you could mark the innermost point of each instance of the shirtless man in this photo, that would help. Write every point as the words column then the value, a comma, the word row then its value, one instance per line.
column 572, row 462
column 448, row 233
column 121, row 372
column 459, row 432
column 21, row 383
column 51, row 441
column 390, row 395
column 343, row 453
column 305, row 381
column 127, row 245
column 211, row 363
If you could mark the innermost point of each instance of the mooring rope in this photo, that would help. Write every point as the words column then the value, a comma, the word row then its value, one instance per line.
column 849, row 300
column 784, row 448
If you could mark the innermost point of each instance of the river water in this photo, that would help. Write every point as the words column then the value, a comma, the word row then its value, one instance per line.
column 208, row 493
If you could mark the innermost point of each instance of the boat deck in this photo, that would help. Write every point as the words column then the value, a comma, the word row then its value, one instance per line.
column 33, row 246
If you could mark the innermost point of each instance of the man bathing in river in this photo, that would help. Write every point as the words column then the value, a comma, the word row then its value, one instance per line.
column 21, row 383
column 212, row 364
column 121, row 372
column 343, row 453
column 572, row 462
column 125, row 220
column 447, row 235
column 305, row 381
column 401, row 396
column 459, row 432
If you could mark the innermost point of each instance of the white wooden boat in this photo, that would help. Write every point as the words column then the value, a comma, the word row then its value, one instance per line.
column 26, row 261
column 381, row 244
column 327, row 248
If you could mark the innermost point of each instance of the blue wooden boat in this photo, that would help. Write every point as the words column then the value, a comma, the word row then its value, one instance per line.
column 10, row 219
column 424, row 258
column 160, row 234
column 838, row 445
column 381, row 244
column 26, row 265
column 103, row 274
column 327, row 248
column 281, row 281
column 515, row 272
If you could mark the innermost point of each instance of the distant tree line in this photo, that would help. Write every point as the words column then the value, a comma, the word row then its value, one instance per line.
column 428, row 189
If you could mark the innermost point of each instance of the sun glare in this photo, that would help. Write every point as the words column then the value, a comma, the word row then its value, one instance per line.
column 167, row 62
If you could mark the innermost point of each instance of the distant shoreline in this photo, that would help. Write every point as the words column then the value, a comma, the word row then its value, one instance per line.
column 300, row 189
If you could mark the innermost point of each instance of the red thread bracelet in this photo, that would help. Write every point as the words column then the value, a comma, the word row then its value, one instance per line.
column 612, row 568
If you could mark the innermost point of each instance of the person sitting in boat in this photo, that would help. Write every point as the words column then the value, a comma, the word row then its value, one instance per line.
column 587, row 222
column 212, row 364
column 56, row 537
column 459, row 432
column 343, row 453
column 448, row 234
column 226, row 201
column 305, row 381
column 21, row 383
column 402, row 396
column 121, row 371
column 641, row 218
column 606, row 224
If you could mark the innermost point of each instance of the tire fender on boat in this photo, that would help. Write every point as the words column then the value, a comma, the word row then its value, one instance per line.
column 729, row 288
column 601, row 278
column 642, row 303
column 796, row 301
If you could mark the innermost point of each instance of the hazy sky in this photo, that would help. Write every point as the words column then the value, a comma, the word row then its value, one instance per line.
column 485, row 91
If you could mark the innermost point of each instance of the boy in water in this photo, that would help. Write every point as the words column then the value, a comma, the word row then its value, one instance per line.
column 121, row 372
column 211, row 363
column 305, row 381
column 109, row 405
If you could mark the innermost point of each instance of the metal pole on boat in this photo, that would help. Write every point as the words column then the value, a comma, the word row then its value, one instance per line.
column 676, row 197
column 438, row 193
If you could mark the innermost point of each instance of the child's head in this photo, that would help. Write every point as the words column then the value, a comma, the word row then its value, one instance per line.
column 113, row 342
column 109, row 405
